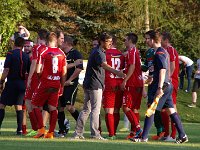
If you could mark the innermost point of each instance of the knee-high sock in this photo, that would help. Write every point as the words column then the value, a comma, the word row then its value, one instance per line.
column 176, row 120
column 38, row 114
column 138, row 116
column 173, row 127
column 19, row 119
column 61, row 119
column 75, row 114
column 165, row 120
column 116, row 121
column 2, row 115
column 133, row 120
column 33, row 120
column 109, row 118
column 158, row 122
column 53, row 120
column 147, row 126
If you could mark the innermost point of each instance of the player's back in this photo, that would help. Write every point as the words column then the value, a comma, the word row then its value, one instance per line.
column 115, row 59
column 53, row 60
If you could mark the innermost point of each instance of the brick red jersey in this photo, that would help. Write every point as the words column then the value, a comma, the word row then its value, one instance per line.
column 53, row 61
column 115, row 59
column 133, row 57
column 173, row 54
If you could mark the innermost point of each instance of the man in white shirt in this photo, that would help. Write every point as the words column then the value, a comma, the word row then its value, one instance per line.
column 196, row 85
column 187, row 70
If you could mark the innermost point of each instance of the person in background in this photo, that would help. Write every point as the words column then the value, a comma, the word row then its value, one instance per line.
column 22, row 32
column 186, row 70
column 28, row 46
column 13, row 93
column 67, row 100
column 196, row 85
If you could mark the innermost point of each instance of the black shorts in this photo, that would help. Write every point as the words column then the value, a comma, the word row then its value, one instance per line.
column 196, row 85
column 69, row 95
column 13, row 93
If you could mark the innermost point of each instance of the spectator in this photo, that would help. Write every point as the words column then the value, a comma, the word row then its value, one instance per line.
column 93, row 86
column 196, row 85
column 186, row 70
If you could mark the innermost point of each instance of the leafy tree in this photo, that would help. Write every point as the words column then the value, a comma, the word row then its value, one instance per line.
column 12, row 11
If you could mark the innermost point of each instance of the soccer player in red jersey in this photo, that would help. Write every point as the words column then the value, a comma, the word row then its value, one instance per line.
column 174, row 73
column 28, row 46
column 33, row 81
column 112, row 94
column 51, row 67
column 132, row 84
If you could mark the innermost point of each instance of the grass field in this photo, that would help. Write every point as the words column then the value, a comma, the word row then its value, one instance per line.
column 190, row 118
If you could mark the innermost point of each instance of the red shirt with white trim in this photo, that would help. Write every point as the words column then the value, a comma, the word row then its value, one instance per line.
column 133, row 57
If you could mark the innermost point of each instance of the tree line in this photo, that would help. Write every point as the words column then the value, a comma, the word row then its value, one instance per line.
column 84, row 19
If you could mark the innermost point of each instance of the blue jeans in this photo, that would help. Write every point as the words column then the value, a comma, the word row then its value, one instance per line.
column 188, row 74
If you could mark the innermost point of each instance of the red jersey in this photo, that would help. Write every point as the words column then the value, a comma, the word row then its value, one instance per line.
column 115, row 59
column 36, row 51
column 53, row 61
column 133, row 57
column 173, row 54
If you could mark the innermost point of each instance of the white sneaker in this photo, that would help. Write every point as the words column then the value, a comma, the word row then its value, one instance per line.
column 77, row 137
column 169, row 139
column 99, row 138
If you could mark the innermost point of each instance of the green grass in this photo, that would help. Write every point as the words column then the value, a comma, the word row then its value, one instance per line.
column 189, row 116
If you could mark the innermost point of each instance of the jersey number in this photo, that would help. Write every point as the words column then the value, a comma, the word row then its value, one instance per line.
column 116, row 63
column 55, row 64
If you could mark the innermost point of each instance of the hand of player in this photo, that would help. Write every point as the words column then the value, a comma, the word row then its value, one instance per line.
column 123, row 86
column 149, row 80
column 159, row 92
column 68, row 82
column 121, row 74
column 144, row 93
column 78, row 62
column 28, row 83
column 61, row 91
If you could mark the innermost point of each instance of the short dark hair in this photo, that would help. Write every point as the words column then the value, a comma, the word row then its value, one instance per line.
column 104, row 36
column 58, row 32
column 154, row 34
column 133, row 37
column 43, row 34
column 19, row 42
column 166, row 35
column 69, row 40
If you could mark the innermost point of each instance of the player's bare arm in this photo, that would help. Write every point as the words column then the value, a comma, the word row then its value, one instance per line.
column 110, row 69
column 128, row 75
column 73, row 76
column 3, row 77
column 160, row 92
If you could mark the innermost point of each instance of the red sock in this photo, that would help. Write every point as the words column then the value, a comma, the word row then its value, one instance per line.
column 173, row 127
column 24, row 129
column 133, row 120
column 33, row 120
column 138, row 116
column 38, row 115
column 165, row 120
column 53, row 120
column 116, row 121
column 109, row 118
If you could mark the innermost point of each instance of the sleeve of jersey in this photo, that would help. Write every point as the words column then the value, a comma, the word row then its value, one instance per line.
column 8, row 60
column 34, row 53
column 131, row 57
column 100, row 58
column 79, row 56
column 171, row 54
